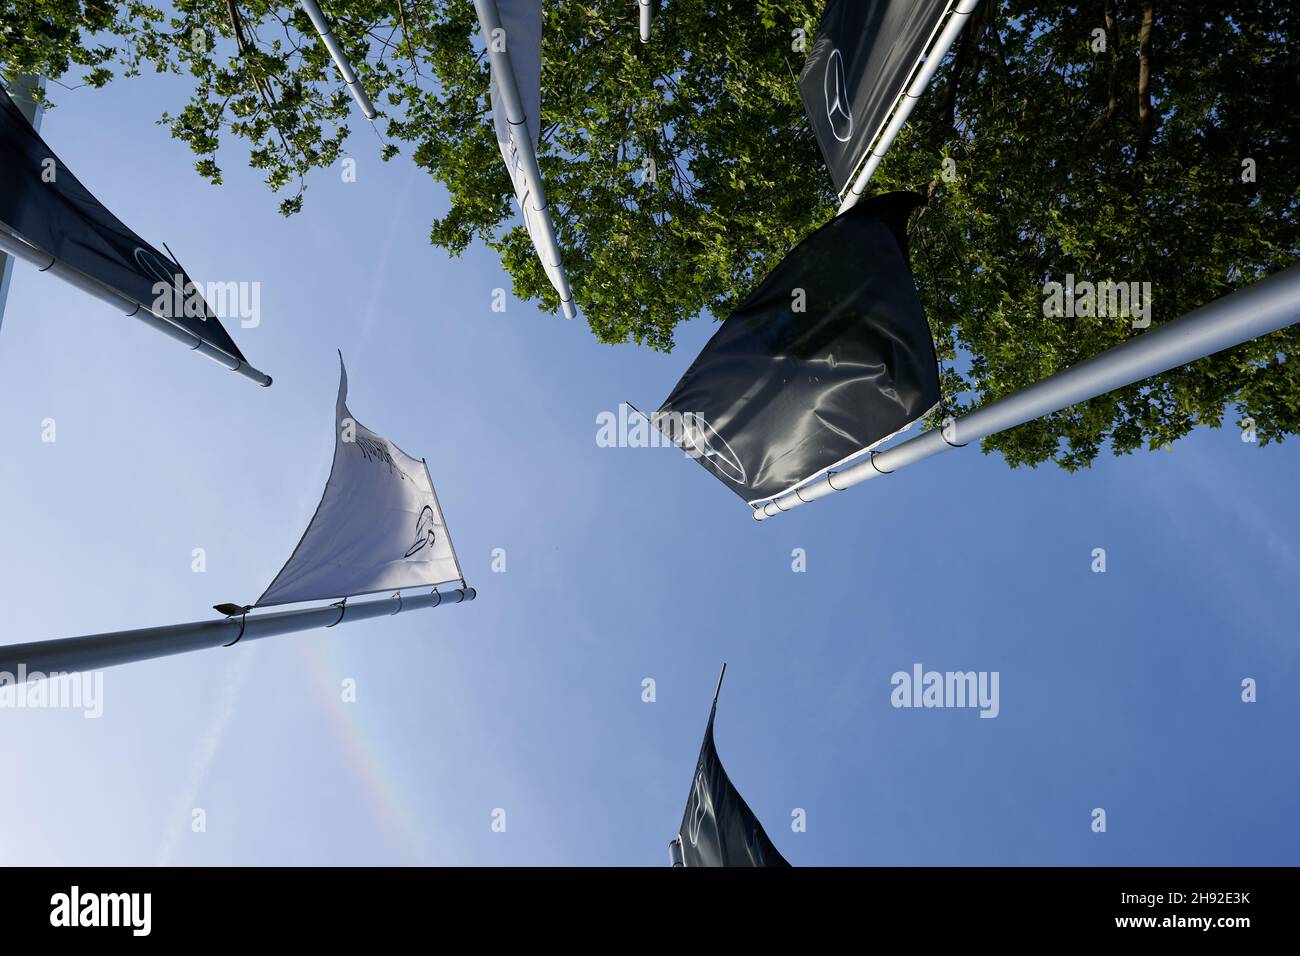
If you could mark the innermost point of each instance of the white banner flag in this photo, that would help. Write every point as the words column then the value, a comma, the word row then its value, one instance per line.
column 378, row 526
column 522, row 22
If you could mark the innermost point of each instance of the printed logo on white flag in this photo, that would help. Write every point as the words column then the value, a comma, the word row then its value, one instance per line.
column 378, row 526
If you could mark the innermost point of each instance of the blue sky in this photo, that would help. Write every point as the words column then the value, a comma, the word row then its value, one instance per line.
column 1118, row 690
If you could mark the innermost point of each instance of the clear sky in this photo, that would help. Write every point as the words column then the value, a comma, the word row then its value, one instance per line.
column 1119, row 691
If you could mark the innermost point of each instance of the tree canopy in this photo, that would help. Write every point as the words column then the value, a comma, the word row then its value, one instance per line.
column 1119, row 140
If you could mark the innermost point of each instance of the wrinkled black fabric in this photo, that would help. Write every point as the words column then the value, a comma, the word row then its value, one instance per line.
column 718, row 828
column 779, row 395
column 62, row 219
column 849, row 94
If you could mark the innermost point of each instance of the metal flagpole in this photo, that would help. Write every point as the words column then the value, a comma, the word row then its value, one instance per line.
column 1263, row 307
column 20, row 249
column 646, row 14
column 903, row 109
column 489, row 22
column 340, row 59
column 24, row 94
column 94, row 651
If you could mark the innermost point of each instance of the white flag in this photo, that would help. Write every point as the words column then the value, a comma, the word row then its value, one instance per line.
column 378, row 526
column 522, row 22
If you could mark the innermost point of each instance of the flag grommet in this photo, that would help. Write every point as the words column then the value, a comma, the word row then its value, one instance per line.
column 877, row 467
column 398, row 595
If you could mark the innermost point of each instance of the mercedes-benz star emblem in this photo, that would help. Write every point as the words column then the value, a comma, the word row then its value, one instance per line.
column 695, row 816
column 707, row 444
column 838, row 113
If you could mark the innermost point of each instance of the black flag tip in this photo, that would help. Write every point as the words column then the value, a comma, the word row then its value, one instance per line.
column 232, row 610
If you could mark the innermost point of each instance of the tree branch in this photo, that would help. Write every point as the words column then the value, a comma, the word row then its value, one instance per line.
column 966, row 52
column 267, row 95
column 1146, row 114
column 1112, row 42
column 406, row 33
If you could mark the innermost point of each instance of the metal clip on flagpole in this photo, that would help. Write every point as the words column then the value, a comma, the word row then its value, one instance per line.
column 343, row 610
column 20, row 249
column 340, row 59
column 94, row 651
column 502, row 70
column 1263, row 307
column 903, row 109
column 243, row 619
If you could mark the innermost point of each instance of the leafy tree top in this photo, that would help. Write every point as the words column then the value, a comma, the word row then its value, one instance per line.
column 1117, row 140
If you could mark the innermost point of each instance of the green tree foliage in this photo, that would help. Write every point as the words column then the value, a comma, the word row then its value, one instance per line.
column 1105, row 140
column 1122, row 164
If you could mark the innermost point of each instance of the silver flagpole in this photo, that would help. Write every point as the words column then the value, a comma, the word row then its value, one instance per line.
column 123, row 647
column 1263, row 307
column 675, row 855
column 646, row 14
column 23, row 93
column 20, row 249
column 489, row 22
column 903, row 109
column 340, row 59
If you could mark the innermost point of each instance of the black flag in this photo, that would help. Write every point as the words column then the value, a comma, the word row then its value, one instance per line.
column 861, row 62
column 43, row 203
column 719, row 829
column 829, row 356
